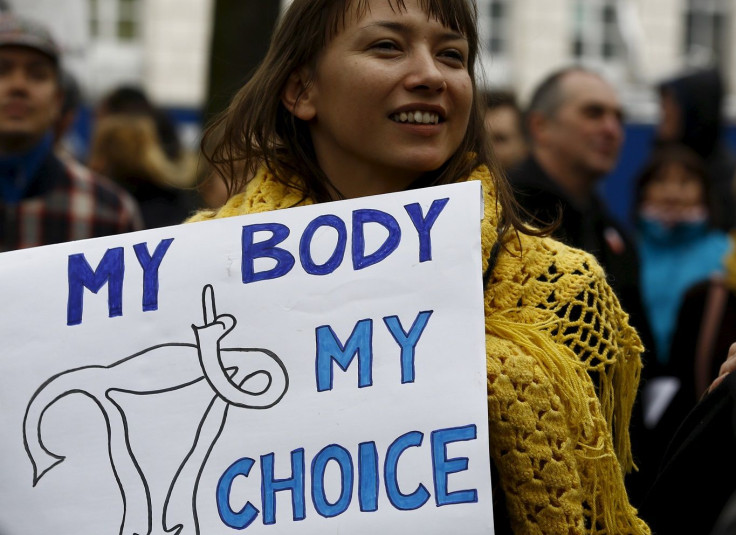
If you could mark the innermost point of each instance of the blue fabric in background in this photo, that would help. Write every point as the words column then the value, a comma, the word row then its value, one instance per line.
column 672, row 260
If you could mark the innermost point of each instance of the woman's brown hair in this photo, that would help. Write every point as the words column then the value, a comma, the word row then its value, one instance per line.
column 257, row 129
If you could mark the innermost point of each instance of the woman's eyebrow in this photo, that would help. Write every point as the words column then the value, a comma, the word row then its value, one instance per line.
column 448, row 35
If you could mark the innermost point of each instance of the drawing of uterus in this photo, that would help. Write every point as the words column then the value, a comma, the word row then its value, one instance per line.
column 245, row 378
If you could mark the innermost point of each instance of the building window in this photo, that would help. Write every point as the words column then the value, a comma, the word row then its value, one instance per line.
column 494, row 26
column 706, row 31
column 498, row 24
column 115, row 20
column 596, row 35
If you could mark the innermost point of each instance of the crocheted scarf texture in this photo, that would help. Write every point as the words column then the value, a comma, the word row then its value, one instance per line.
column 563, row 368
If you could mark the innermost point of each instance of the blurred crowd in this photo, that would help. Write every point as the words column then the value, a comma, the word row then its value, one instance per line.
column 673, row 267
column 134, row 173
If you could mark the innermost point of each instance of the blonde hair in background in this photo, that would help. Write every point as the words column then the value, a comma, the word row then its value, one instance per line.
column 126, row 148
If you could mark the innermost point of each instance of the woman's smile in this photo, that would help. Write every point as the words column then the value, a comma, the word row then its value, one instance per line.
column 416, row 116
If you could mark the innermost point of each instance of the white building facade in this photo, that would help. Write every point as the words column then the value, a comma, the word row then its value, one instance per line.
column 635, row 43
column 163, row 45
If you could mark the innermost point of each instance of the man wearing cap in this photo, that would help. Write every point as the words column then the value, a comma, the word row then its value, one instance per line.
column 42, row 199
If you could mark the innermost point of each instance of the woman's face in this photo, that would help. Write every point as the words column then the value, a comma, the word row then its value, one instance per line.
column 674, row 192
column 390, row 99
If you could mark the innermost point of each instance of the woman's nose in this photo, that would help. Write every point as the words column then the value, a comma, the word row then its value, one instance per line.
column 425, row 73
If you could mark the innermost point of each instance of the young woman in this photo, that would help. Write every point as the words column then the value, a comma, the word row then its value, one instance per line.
column 360, row 97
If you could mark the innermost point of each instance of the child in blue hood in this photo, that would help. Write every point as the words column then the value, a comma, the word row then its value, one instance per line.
column 678, row 246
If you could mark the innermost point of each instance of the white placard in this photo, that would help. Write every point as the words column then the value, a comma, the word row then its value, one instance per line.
column 313, row 370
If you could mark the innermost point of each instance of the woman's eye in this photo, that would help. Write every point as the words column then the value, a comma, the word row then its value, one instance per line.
column 385, row 46
column 454, row 55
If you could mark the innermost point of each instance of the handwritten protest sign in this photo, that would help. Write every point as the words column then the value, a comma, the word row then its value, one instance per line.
column 313, row 370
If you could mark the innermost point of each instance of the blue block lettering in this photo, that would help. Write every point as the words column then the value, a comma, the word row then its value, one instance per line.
column 407, row 341
column 235, row 519
column 340, row 455
column 404, row 502
column 442, row 466
column 305, row 253
column 110, row 271
column 368, row 476
column 265, row 249
column 329, row 348
column 270, row 486
column 424, row 225
column 150, row 265
column 360, row 218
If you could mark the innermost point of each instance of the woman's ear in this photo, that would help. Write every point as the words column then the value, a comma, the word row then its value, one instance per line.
column 299, row 95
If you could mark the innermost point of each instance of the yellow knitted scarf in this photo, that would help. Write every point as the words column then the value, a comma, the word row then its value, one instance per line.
column 563, row 368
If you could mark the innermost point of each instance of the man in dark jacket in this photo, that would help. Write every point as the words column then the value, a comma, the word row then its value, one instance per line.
column 44, row 200
column 574, row 125
column 575, row 130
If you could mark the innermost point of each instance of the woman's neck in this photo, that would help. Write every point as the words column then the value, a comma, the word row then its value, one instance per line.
column 351, row 185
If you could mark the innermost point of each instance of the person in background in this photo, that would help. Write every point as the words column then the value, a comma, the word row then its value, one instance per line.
column 126, row 148
column 44, row 200
column 677, row 244
column 695, row 488
column 574, row 124
column 356, row 98
column 692, row 114
column 137, row 145
column 131, row 100
column 678, row 248
column 705, row 328
column 503, row 121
